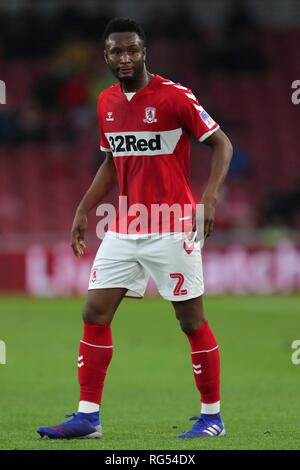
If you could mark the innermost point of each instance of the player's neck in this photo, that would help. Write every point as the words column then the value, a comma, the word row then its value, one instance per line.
column 131, row 86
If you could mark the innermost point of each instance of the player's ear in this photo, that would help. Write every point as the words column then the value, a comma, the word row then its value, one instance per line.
column 105, row 56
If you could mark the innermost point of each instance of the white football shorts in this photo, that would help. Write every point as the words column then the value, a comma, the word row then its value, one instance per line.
column 172, row 260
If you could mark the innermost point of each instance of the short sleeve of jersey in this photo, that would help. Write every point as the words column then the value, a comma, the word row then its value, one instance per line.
column 104, row 144
column 193, row 117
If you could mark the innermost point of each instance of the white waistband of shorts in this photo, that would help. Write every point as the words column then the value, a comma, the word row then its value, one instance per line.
column 138, row 236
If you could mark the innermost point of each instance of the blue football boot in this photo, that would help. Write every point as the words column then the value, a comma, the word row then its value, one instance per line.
column 205, row 426
column 81, row 426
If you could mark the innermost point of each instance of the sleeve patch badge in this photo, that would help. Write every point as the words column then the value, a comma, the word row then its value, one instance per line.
column 207, row 119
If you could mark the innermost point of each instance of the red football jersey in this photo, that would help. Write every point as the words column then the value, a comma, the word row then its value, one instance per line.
column 149, row 137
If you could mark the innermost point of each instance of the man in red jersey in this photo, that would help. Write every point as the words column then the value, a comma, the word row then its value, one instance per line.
column 146, row 122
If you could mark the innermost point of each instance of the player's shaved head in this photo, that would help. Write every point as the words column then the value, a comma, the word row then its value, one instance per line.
column 123, row 25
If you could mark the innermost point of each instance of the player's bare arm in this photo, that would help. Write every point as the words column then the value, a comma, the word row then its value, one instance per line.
column 221, row 157
column 103, row 182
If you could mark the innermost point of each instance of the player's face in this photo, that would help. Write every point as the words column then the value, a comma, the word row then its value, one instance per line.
column 125, row 55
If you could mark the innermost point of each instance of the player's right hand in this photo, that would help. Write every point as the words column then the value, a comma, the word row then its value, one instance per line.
column 77, row 234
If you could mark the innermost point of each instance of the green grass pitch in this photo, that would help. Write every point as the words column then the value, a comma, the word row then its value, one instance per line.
column 149, row 393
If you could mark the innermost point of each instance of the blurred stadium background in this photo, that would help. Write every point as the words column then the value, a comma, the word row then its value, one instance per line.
column 240, row 58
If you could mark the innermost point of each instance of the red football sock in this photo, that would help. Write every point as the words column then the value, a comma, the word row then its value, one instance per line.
column 95, row 354
column 206, row 363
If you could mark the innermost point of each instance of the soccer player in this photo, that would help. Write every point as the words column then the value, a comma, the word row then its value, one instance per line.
column 145, row 125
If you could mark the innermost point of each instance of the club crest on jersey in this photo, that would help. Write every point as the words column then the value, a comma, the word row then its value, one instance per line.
column 150, row 115
column 109, row 116
column 94, row 275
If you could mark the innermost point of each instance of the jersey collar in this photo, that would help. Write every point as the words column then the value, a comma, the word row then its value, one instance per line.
column 142, row 90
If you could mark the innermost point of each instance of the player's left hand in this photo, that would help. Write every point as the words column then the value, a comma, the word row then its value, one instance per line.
column 209, row 217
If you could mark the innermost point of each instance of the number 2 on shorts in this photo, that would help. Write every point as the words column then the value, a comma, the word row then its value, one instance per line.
column 177, row 289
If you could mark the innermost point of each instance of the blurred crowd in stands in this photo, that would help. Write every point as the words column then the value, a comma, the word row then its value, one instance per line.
column 54, row 70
